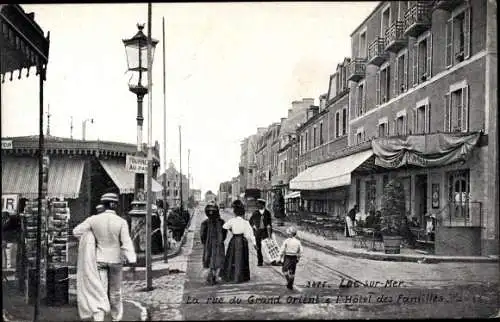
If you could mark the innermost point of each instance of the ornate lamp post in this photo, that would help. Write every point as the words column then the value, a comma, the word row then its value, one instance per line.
column 136, row 49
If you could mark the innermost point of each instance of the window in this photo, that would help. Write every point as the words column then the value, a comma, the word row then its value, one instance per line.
column 403, row 6
column 370, row 193
column 383, row 127
column 176, row 192
column 175, row 183
column 386, row 20
column 337, row 124
column 360, row 135
column 284, row 165
column 314, row 137
column 401, row 74
column 361, row 97
column 422, row 59
column 362, row 44
column 320, row 133
column 306, row 142
column 400, row 126
column 459, row 195
column 168, row 183
column 383, row 80
column 457, row 109
column 168, row 192
column 344, row 121
column 421, row 117
column 458, row 37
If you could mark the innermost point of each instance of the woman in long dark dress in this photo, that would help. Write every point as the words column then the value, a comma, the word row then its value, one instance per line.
column 212, row 236
column 236, row 267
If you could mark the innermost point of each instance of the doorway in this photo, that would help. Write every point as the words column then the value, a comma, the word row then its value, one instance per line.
column 421, row 197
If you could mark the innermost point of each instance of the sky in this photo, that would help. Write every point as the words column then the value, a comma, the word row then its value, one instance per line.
column 230, row 68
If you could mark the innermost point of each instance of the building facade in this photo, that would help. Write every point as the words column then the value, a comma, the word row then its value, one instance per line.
column 196, row 194
column 173, row 186
column 420, row 85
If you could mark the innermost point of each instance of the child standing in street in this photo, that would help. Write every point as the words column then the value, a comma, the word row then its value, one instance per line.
column 290, row 253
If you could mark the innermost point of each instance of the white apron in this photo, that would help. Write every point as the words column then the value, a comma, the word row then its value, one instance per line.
column 91, row 295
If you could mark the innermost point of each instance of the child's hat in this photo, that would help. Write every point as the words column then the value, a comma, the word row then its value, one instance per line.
column 291, row 230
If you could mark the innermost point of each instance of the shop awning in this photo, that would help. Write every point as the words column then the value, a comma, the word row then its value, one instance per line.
column 20, row 176
column 292, row 195
column 123, row 178
column 332, row 174
column 428, row 150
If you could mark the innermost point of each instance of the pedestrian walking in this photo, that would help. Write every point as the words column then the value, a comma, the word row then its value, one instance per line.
column 11, row 238
column 261, row 223
column 156, row 235
column 104, row 244
column 350, row 220
column 212, row 237
column 236, row 266
column 290, row 253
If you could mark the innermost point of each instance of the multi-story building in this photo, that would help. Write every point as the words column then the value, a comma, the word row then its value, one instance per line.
column 322, row 137
column 288, row 151
column 422, row 107
column 224, row 193
column 266, row 153
column 235, row 189
column 173, row 186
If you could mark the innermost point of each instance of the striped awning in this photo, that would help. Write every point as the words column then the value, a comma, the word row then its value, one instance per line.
column 123, row 178
column 20, row 176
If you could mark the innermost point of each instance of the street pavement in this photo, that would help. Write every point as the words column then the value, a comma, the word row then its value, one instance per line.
column 341, row 287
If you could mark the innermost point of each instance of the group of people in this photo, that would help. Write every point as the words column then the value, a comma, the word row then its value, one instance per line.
column 233, row 265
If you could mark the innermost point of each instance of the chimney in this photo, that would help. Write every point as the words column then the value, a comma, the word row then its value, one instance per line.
column 308, row 101
column 311, row 111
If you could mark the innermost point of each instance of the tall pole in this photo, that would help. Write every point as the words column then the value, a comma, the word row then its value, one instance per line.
column 40, row 197
column 165, row 224
column 149, row 280
column 180, row 167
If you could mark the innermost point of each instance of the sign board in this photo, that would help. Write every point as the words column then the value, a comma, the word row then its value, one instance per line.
column 10, row 203
column 136, row 164
column 6, row 144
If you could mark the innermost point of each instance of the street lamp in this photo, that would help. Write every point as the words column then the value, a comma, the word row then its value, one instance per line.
column 136, row 49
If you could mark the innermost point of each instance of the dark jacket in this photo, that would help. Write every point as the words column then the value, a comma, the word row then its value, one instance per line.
column 212, row 236
column 267, row 221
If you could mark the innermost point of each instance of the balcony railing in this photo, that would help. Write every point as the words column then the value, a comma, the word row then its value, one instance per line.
column 447, row 5
column 418, row 18
column 376, row 52
column 356, row 69
column 395, row 39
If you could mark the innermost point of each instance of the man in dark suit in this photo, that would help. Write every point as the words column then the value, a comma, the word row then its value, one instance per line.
column 262, row 226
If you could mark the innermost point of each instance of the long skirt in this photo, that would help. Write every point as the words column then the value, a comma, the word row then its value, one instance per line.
column 236, row 267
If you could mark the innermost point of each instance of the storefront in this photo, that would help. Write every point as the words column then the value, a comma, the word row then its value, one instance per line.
column 325, row 188
column 443, row 177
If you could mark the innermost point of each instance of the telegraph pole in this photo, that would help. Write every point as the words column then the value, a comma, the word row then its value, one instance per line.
column 180, row 167
column 149, row 280
column 165, row 224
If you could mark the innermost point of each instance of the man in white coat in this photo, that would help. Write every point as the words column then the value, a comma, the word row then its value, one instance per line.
column 113, row 247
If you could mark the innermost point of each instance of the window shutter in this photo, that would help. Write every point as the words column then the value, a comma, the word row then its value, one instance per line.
column 377, row 86
column 405, row 66
column 465, row 108
column 467, row 32
column 449, row 42
column 387, row 132
column 414, row 64
column 414, row 118
column 428, row 118
column 364, row 98
column 405, row 125
column 429, row 57
column 396, row 86
column 447, row 110
column 394, row 127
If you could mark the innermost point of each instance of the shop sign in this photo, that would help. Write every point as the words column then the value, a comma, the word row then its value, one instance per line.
column 10, row 202
column 136, row 164
column 6, row 144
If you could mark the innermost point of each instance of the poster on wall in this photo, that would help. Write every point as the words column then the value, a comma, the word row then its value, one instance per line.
column 435, row 195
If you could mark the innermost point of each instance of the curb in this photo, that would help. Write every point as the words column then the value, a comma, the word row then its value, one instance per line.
column 142, row 308
column 395, row 257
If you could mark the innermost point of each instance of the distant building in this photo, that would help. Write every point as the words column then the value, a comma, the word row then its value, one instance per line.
column 210, row 196
column 173, row 189
column 196, row 193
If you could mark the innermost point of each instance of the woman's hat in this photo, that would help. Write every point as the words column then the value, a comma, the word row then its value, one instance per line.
column 109, row 197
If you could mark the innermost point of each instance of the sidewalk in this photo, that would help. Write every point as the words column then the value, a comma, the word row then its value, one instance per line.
column 344, row 246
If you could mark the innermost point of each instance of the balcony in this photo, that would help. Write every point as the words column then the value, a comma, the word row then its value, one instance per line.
column 356, row 70
column 447, row 5
column 418, row 18
column 395, row 39
column 376, row 52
